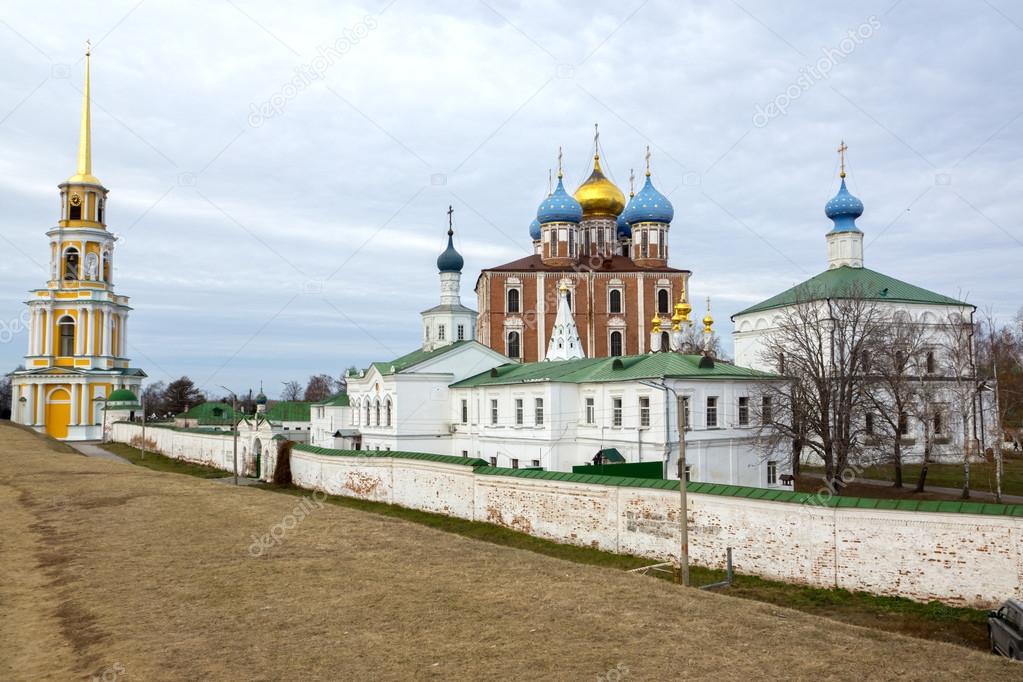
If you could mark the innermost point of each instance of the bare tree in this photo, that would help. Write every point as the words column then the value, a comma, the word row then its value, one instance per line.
column 819, row 343
column 894, row 362
column 960, row 369
column 292, row 391
column 320, row 387
column 5, row 398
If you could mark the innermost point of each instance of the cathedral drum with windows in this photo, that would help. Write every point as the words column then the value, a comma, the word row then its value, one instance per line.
column 608, row 254
column 77, row 336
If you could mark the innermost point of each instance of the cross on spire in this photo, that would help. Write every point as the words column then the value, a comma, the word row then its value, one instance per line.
column 596, row 141
column 550, row 182
column 841, row 156
column 632, row 182
column 451, row 213
column 88, row 47
column 648, row 161
column 560, row 173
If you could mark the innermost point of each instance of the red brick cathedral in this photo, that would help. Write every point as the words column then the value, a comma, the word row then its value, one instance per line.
column 613, row 258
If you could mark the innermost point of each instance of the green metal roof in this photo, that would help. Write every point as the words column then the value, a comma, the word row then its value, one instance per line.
column 289, row 411
column 122, row 395
column 625, row 368
column 397, row 454
column 845, row 281
column 211, row 413
column 337, row 400
column 415, row 357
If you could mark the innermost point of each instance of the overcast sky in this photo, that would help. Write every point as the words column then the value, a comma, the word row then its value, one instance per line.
column 270, row 230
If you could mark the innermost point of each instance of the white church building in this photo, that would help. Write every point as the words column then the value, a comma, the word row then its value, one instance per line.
column 454, row 396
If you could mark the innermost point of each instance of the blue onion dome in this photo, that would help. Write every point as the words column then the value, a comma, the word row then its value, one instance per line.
column 844, row 209
column 649, row 206
column 559, row 207
column 534, row 229
column 622, row 226
column 450, row 260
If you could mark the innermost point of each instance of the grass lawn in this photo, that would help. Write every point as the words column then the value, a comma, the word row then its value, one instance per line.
column 963, row 626
column 157, row 462
column 982, row 475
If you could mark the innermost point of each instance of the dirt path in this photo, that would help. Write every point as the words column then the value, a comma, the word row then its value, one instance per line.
column 153, row 576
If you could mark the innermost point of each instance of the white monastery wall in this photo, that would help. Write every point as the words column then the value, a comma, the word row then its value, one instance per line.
column 958, row 558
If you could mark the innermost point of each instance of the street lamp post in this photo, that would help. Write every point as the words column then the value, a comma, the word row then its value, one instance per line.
column 234, row 427
column 683, row 497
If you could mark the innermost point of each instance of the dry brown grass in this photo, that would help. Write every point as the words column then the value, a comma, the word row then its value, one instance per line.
column 107, row 564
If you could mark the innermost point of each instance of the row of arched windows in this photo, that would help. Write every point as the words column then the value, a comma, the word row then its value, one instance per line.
column 93, row 268
column 373, row 413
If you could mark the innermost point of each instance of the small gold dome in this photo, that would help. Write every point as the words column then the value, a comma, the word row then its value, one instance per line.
column 598, row 195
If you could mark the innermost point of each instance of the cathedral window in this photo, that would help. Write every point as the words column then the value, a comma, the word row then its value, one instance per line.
column 513, row 300
column 99, row 210
column 441, row 332
column 366, row 420
column 387, row 411
column 67, row 336
column 665, row 342
column 663, row 301
column 376, row 409
column 932, row 366
column 571, row 243
column 644, row 244
column 615, row 302
column 513, row 345
column 460, row 332
column 71, row 264
column 616, row 344
column 600, row 241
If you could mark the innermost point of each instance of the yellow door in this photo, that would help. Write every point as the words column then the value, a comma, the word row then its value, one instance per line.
column 58, row 413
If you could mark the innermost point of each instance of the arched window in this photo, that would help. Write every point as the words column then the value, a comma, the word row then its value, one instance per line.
column 568, row 297
column 513, row 300
column 376, row 409
column 615, row 301
column 387, row 411
column 616, row 344
column 99, row 210
column 67, row 336
column 71, row 263
column 513, row 345
column 106, row 267
column 366, row 421
column 665, row 342
column 931, row 366
column 663, row 301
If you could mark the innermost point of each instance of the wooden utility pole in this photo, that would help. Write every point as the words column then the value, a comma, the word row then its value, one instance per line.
column 684, row 502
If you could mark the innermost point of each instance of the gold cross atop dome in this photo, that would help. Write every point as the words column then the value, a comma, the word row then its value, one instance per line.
column 648, row 161
column 841, row 156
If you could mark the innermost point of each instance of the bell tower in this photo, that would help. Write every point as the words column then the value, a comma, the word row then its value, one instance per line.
column 77, row 340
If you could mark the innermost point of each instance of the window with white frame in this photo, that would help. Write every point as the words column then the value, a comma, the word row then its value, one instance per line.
column 460, row 330
column 515, row 464
column 536, row 462
column 743, row 411
column 712, row 411
column 616, row 411
column 614, row 302
column 518, row 412
column 772, row 473
column 538, row 411
column 685, row 413
column 644, row 411
column 465, row 411
column 591, row 416
column 513, row 301
column 616, row 344
column 493, row 411
column 441, row 332
column 766, row 410
column 513, row 345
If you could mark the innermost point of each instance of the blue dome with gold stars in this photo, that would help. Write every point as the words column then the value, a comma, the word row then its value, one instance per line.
column 450, row 260
column 648, row 206
column 844, row 209
column 559, row 207
column 534, row 229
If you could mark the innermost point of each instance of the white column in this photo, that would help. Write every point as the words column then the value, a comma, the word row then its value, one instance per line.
column 76, row 400
column 31, row 330
column 48, row 327
column 86, row 401
column 78, row 333
column 84, row 331
column 34, row 404
column 124, row 335
column 106, row 331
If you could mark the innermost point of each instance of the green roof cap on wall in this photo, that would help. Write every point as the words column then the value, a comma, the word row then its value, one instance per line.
column 337, row 400
column 624, row 368
column 122, row 395
column 397, row 454
column 211, row 413
column 845, row 281
column 415, row 357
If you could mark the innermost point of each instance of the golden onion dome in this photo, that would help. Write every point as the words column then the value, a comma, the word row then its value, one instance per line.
column 598, row 195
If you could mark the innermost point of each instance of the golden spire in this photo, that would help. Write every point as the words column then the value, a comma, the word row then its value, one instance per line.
column 648, row 161
column 841, row 155
column 84, row 171
column 708, row 321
